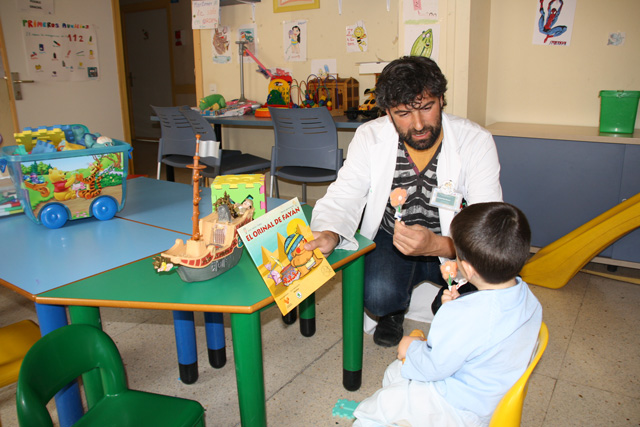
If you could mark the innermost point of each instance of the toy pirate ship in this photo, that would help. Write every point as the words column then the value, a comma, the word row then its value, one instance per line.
column 213, row 247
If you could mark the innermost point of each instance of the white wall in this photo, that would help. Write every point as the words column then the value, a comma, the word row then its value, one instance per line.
column 95, row 104
column 560, row 85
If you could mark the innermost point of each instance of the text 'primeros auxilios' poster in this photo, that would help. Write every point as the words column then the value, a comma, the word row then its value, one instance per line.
column 61, row 51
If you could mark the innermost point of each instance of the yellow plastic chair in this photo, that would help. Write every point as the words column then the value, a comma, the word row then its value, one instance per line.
column 508, row 413
column 15, row 340
column 66, row 353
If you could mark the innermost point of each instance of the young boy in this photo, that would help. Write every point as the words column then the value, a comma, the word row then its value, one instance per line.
column 479, row 343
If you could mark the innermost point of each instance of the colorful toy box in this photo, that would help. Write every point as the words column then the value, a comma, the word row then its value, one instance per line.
column 239, row 187
column 56, row 186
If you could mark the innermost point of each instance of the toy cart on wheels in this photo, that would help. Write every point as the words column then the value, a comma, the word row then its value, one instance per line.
column 58, row 186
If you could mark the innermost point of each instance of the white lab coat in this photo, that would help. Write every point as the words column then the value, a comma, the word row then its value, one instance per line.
column 468, row 158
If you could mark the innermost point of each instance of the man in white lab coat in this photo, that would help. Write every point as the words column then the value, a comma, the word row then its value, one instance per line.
column 440, row 161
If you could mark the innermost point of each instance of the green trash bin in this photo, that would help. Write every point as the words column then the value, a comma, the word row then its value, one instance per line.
column 618, row 110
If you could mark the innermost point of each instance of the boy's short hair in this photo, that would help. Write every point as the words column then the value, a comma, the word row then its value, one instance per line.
column 494, row 238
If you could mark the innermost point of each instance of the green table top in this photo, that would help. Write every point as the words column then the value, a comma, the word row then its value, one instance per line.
column 138, row 285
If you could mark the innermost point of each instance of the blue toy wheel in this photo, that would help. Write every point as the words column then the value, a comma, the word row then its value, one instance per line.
column 104, row 208
column 54, row 216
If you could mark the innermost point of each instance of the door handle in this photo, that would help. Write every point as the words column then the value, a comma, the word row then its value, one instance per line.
column 15, row 82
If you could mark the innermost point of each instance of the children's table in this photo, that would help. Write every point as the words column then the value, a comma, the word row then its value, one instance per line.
column 90, row 264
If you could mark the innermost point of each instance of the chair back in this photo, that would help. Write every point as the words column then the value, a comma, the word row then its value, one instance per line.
column 305, row 137
column 508, row 413
column 179, row 126
column 59, row 358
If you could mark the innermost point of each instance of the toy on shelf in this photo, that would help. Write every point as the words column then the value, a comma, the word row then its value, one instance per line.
column 70, row 181
column 337, row 94
column 368, row 110
column 213, row 248
column 279, row 92
column 212, row 102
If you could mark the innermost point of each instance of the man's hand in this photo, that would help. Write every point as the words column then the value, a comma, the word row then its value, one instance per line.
column 326, row 241
column 416, row 240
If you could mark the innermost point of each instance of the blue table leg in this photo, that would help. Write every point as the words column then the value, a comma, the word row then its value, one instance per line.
column 68, row 401
column 185, row 331
column 247, row 351
column 214, row 326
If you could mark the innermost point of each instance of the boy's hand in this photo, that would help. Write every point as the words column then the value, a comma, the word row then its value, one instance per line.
column 406, row 341
column 326, row 241
column 450, row 295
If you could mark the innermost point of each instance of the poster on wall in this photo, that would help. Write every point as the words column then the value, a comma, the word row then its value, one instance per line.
column 247, row 34
column 220, row 42
column 357, row 37
column 419, row 11
column 294, row 34
column 553, row 22
column 60, row 51
column 205, row 15
column 422, row 40
column 44, row 6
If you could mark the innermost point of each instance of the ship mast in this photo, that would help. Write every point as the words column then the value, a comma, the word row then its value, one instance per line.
column 197, row 167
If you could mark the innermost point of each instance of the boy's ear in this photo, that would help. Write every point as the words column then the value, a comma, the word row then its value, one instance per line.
column 468, row 268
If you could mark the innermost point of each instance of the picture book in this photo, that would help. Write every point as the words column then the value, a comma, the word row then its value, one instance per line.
column 275, row 242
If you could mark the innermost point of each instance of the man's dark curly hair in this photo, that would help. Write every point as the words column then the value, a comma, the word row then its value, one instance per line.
column 404, row 81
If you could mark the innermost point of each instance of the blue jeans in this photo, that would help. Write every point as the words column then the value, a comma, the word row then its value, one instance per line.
column 390, row 276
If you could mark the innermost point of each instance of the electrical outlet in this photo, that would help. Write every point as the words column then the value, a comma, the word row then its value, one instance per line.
column 213, row 88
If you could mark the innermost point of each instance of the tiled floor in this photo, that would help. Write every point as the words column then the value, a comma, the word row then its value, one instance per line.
column 589, row 375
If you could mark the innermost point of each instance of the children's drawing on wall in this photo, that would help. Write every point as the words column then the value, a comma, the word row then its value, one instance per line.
column 323, row 68
column 205, row 14
column 248, row 34
column 422, row 40
column 220, row 43
column 295, row 41
column 357, row 37
column 420, row 11
column 554, row 22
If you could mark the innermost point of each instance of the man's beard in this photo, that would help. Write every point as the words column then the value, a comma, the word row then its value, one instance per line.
column 423, row 144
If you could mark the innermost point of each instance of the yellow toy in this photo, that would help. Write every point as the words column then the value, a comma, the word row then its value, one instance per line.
column 555, row 264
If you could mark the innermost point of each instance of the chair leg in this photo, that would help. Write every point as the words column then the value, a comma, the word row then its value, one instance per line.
column 170, row 174
column 275, row 181
column 304, row 192
column 159, row 168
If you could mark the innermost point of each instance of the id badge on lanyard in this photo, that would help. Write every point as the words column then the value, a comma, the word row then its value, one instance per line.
column 446, row 197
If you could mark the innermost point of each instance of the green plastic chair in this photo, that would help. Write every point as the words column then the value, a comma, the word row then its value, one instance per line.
column 66, row 353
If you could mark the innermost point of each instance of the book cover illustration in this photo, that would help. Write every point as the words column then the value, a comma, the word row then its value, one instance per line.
column 275, row 242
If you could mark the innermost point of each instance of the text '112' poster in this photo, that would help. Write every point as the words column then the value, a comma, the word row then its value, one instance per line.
column 60, row 51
